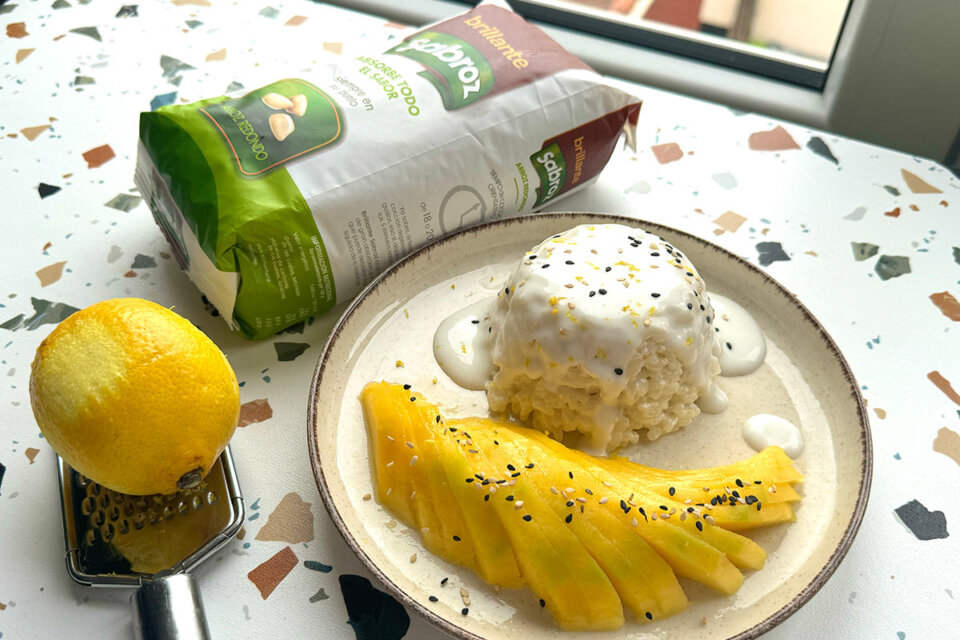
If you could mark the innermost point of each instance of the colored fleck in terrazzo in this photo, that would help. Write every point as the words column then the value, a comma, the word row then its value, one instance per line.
column 807, row 206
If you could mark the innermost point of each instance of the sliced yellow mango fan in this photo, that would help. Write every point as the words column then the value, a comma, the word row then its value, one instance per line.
column 589, row 536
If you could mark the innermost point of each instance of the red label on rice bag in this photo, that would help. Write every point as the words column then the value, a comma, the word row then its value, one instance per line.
column 482, row 53
column 576, row 156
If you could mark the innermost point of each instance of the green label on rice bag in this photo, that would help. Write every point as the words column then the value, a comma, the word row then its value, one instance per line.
column 458, row 71
column 552, row 170
column 275, row 124
column 283, row 269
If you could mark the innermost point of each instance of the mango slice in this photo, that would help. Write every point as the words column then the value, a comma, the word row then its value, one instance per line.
column 589, row 536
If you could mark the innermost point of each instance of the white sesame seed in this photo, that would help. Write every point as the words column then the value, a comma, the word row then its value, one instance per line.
column 653, row 516
column 569, row 490
column 390, row 464
column 581, row 499
column 706, row 489
column 554, row 491
column 366, row 497
column 634, row 522
column 413, row 460
column 607, row 484
column 389, row 489
column 413, row 558
column 568, row 286
column 409, row 444
column 709, row 519
column 413, row 494
column 688, row 501
column 493, row 488
column 518, row 504
column 672, row 511
column 604, row 500
column 390, row 438
column 665, row 516
column 424, row 530
column 683, row 516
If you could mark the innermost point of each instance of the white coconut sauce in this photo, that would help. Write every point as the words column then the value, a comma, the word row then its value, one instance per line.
column 462, row 345
column 742, row 345
column 763, row 430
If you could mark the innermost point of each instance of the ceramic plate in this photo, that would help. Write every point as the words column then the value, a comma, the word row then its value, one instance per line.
column 387, row 333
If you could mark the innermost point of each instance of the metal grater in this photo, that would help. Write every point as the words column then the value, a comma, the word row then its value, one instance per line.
column 151, row 542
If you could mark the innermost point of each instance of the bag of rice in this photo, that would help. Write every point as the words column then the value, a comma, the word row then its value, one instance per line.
column 281, row 203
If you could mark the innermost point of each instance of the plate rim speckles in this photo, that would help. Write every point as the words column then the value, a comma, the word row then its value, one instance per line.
column 469, row 237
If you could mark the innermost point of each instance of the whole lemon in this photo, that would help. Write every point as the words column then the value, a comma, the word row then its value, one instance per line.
column 134, row 396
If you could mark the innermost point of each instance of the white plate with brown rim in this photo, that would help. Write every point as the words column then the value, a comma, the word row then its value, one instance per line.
column 387, row 334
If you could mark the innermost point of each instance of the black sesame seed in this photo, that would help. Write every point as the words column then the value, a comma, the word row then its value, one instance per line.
column 485, row 482
column 608, row 269
column 739, row 483
column 412, row 399
column 588, row 492
column 690, row 509
column 708, row 319
column 516, row 474
column 570, row 503
column 699, row 526
column 543, row 603
column 654, row 295
column 581, row 508
column 672, row 491
column 496, row 443
column 475, row 322
column 434, row 599
column 509, row 498
column 655, row 254
column 642, row 512
column 469, row 480
column 406, row 386
column 623, row 505
column 529, row 466
column 456, row 538
column 677, row 260
column 648, row 615
column 759, row 504
column 511, row 467
column 735, row 494
column 533, row 257
column 569, row 262
column 528, row 517
column 751, row 499
column 507, row 290
column 545, row 266
column 592, row 293
column 464, row 611
column 663, row 508
column 569, row 518
column 438, row 418
column 689, row 306
column 757, row 482
column 478, row 476
column 702, row 308
column 570, row 473
column 486, row 498
column 602, row 292
column 618, row 371
column 729, row 346
column 489, row 329
column 689, row 274
column 444, row 581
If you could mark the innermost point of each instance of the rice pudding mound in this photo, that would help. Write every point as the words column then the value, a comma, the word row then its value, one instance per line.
column 605, row 330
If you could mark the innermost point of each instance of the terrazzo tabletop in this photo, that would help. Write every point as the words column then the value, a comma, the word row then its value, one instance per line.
column 866, row 237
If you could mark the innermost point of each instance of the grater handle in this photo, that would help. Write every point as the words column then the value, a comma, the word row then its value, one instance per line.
column 169, row 608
